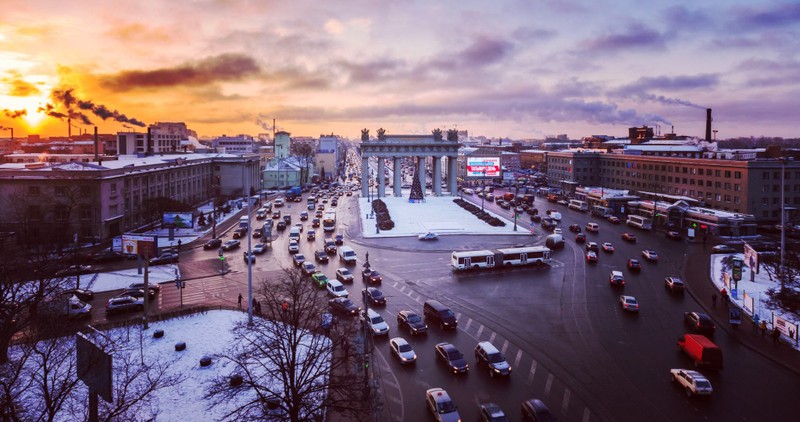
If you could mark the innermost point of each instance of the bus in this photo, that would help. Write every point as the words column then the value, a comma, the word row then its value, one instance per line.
column 329, row 220
column 473, row 260
column 578, row 205
column 601, row 211
column 640, row 222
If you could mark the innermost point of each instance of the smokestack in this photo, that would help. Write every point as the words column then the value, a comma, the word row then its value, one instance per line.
column 149, row 149
column 96, row 153
column 69, row 127
column 708, row 125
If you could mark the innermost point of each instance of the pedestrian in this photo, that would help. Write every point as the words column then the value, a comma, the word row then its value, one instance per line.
column 254, row 303
column 776, row 335
column 755, row 322
column 763, row 326
column 240, row 301
column 258, row 307
column 724, row 295
column 714, row 300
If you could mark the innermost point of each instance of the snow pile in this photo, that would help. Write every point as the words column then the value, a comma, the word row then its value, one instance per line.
column 120, row 279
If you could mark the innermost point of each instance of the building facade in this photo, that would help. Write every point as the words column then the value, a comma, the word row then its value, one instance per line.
column 239, row 144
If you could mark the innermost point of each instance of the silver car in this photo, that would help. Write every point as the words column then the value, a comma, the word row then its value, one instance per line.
column 402, row 350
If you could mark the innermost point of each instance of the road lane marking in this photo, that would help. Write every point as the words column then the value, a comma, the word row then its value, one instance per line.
column 585, row 415
column 469, row 322
column 548, row 384
column 565, row 401
column 491, row 337
column 480, row 330
column 504, row 348
column 518, row 358
column 532, row 373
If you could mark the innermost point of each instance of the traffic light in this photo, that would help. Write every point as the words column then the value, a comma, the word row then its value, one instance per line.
column 694, row 225
column 366, row 362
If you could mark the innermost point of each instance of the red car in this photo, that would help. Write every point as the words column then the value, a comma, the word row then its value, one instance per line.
column 591, row 256
column 634, row 265
column 580, row 238
column 629, row 237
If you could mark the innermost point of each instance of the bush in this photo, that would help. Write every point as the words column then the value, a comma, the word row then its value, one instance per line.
column 382, row 214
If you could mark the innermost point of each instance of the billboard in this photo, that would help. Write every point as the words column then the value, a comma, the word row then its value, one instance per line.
column 483, row 166
column 94, row 367
column 751, row 258
column 181, row 220
column 133, row 244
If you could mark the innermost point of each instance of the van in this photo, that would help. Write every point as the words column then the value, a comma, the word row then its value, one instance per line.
column 435, row 312
column 592, row 227
column 487, row 354
column 554, row 241
column 347, row 255
column 702, row 351
column 294, row 233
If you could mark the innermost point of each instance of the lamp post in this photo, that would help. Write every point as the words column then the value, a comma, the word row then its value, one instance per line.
column 783, row 220
column 483, row 187
column 249, row 252
column 516, row 214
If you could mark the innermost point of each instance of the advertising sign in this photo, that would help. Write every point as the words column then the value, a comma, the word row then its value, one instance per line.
column 483, row 166
column 748, row 303
column 94, row 367
column 751, row 258
column 133, row 244
column 786, row 327
column 181, row 220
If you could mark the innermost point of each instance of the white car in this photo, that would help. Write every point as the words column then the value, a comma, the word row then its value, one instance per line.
column 260, row 248
column 693, row 382
column 557, row 230
column 293, row 246
column 650, row 254
column 722, row 249
column 629, row 303
column 336, row 288
column 376, row 323
column 308, row 268
column 344, row 275
column 402, row 350
column 428, row 236
column 441, row 406
column 555, row 215
column 469, row 191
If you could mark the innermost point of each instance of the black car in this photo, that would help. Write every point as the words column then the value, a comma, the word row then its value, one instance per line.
column 451, row 357
column 321, row 256
column 281, row 226
column 165, row 258
column 374, row 296
column 371, row 276
column 81, row 294
column 287, row 218
column 535, row 410
column 212, row 244
column 137, row 293
column 343, row 306
column 699, row 322
column 575, row 228
column 338, row 239
column 330, row 247
column 634, row 265
column 673, row 235
column 231, row 244
column 315, row 222
column 412, row 322
column 536, row 218
column 106, row 256
column 580, row 238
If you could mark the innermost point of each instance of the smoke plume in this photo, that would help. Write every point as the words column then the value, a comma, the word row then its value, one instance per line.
column 15, row 114
column 74, row 105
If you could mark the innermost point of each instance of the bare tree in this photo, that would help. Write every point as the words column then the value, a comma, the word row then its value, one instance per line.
column 305, row 153
column 787, row 296
column 290, row 369
column 14, row 382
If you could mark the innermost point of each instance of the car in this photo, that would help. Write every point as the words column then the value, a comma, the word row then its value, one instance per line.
column 373, row 296
column 239, row 232
column 629, row 303
column 536, row 218
column 580, row 238
column 613, row 220
column 299, row 227
column 722, row 249
column 556, row 230
column 693, row 382
column 344, row 275
column 634, row 265
column 592, row 246
column 371, row 276
column 335, row 287
column 320, row 256
column 165, row 258
column 281, row 226
column 298, row 259
column 490, row 412
column 287, row 219
column 311, row 207
column 629, row 237
column 673, row 235
column 81, row 294
column 151, row 286
column 674, row 283
column 441, row 406
column 699, row 322
column 74, row 270
column 259, row 248
column 311, row 235
column 449, row 355
column 121, row 304
column 592, row 227
column 412, row 322
column 536, row 410
column 321, row 207
column 375, row 322
column 308, row 267
column 231, row 245
column 315, row 222
column 251, row 257
column 650, row 255
column 303, row 216
column 591, row 256
column 330, row 247
column 106, row 256
column 257, row 233
column 343, row 306
column 338, row 239
column 575, row 228
column 276, row 215
column 428, row 236
column 318, row 214
column 616, row 278
column 293, row 246
column 319, row 279
column 137, row 293
column 402, row 351
column 487, row 355
column 607, row 247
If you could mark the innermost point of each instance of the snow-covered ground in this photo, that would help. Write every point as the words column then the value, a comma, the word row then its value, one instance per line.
column 437, row 214
column 191, row 234
column 120, row 279
column 757, row 289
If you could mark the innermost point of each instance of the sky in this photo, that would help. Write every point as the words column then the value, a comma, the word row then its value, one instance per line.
column 517, row 69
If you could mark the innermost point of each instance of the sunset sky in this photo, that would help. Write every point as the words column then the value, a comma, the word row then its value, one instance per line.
column 518, row 69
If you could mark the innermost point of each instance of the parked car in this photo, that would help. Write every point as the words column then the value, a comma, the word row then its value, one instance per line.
column 81, row 294
column 722, row 249
column 692, row 382
column 165, row 258
column 212, row 244
column 344, row 275
column 412, row 322
column 231, row 245
column 74, row 270
column 344, row 306
column 428, row 236
column 402, row 350
column 151, row 286
column 629, row 303
column 121, row 304
column 451, row 357
column 674, row 283
column 106, row 256
column 137, row 293
column 373, row 296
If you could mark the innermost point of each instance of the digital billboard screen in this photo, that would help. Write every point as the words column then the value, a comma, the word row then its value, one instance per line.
column 483, row 166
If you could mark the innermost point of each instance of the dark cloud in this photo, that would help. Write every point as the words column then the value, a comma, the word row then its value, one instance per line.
column 675, row 83
column 634, row 37
column 484, row 51
column 771, row 72
column 682, row 17
column 15, row 114
column 768, row 16
column 225, row 67
column 370, row 71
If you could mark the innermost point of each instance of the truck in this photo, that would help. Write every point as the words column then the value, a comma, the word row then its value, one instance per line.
column 703, row 351
column 294, row 192
column 244, row 222
column 66, row 305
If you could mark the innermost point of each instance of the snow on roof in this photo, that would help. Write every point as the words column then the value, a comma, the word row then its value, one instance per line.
column 664, row 148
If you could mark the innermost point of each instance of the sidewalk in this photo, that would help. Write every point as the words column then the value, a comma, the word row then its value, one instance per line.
column 702, row 288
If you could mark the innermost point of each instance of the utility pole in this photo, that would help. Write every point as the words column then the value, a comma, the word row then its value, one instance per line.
column 249, row 251
column 146, row 290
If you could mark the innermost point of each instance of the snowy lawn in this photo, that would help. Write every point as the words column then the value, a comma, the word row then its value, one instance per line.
column 115, row 280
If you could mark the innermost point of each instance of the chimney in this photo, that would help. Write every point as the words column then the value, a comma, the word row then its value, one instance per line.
column 96, row 146
column 708, row 125
column 149, row 148
column 69, row 127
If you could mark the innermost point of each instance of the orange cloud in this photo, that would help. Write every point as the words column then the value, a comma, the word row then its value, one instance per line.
column 21, row 88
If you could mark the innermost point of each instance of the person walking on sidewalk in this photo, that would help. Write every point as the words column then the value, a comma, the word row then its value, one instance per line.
column 776, row 335
column 240, row 301
column 763, row 326
column 755, row 322
column 724, row 295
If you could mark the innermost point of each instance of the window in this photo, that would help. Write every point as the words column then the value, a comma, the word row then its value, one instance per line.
column 717, row 173
column 86, row 212
column 700, row 172
column 727, row 186
column 727, row 174
column 737, row 200
column 737, row 187
column 737, row 174
column 728, row 198
column 765, row 175
column 113, row 188
column 719, row 197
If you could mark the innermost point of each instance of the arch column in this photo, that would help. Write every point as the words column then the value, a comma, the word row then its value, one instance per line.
column 364, row 177
column 437, row 176
column 398, row 179
column 452, row 169
column 421, row 173
column 381, row 177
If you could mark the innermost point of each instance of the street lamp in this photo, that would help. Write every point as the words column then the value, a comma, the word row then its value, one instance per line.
column 783, row 219
column 516, row 214
column 483, row 187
